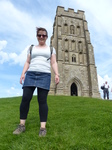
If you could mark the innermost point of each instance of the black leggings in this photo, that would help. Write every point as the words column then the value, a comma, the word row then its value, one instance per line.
column 42, row 100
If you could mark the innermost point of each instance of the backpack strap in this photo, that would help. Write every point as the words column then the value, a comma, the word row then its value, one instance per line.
column 31, row 49
column 51, row 49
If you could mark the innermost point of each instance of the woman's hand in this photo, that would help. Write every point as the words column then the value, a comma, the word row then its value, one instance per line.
column 22, row 78
column 56, row 79
column 26, row 66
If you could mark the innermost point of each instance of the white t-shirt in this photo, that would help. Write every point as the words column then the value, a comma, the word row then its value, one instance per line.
column 106, row 86
column 39, row 58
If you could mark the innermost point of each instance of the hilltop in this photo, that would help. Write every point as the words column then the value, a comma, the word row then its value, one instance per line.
column 74, row 123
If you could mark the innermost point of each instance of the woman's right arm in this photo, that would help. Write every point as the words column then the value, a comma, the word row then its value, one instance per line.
column 25, row 68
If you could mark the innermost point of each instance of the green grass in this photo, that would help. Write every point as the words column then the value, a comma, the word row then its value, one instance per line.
column 74, row 123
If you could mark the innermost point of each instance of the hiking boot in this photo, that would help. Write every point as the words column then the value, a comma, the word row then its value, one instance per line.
column 20, row 129
column 42, row 132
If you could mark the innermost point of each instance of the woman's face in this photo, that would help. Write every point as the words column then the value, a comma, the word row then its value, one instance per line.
column 42, row 37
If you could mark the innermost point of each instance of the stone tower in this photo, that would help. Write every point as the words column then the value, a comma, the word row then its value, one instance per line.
column 74, row 54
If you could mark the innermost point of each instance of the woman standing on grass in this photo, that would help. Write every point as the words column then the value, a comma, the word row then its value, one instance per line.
column 38, row 74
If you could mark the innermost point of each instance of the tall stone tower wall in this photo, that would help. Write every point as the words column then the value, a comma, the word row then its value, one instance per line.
column 74, row 54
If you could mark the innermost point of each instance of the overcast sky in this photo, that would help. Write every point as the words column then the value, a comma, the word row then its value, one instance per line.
column 18, row 21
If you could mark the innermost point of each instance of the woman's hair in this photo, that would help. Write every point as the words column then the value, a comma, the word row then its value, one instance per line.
column 42, row 29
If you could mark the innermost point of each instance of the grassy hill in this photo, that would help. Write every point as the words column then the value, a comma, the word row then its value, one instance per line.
column 74, row 123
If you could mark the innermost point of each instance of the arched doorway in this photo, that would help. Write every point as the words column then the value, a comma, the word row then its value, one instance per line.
column 74, row 89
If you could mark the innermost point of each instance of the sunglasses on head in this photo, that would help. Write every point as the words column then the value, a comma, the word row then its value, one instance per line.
column 43, row 35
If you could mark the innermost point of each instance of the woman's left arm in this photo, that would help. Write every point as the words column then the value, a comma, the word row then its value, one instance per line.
column 55, row 68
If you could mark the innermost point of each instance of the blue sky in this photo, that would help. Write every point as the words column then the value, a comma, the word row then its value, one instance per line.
column 18, row 21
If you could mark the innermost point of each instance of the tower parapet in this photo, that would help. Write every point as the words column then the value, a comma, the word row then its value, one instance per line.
column 75, row 55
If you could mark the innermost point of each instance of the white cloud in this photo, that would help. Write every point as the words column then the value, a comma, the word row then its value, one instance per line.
column 11, row 92
column 19, row 22
column 13, row 58
column 21, row 58
column 13, row 19
column 3, row 57
column 3, row 44
column 12, row 88
column 99, row 13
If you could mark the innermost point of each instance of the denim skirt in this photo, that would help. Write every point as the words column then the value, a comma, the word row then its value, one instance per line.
column 37, row 79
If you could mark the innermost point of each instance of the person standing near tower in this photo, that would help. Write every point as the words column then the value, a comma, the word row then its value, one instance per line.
column 37, row 74
column 106, row 90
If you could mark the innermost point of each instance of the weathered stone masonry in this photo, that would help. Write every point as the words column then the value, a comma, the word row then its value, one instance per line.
column 75, row 55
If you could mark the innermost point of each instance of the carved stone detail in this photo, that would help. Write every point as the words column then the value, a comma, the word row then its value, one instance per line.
column 75, row 55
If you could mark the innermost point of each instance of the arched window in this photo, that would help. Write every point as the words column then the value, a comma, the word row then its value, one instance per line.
column 73, row 46
column 73, row 58
column 80, row 47
column 65, row 28
column 66, row 56
column 78, row 30
column 66, row 44
column 72, row 29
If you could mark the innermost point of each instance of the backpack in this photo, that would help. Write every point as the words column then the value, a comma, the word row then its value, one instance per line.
column 51, row 49
column 103, row 87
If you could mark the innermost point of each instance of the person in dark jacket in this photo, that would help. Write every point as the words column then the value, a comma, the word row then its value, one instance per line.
column 106, row 90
